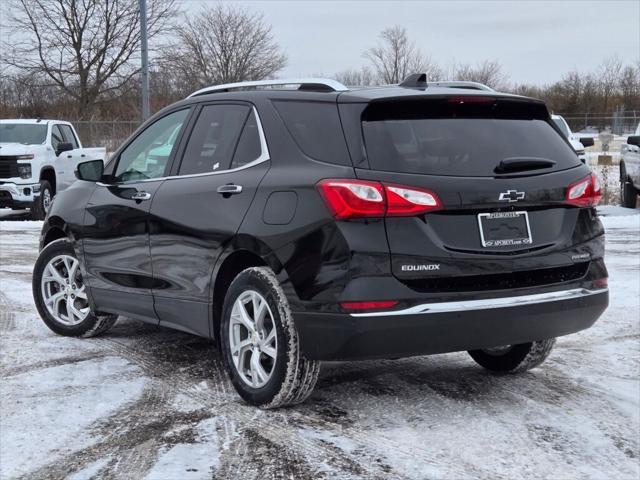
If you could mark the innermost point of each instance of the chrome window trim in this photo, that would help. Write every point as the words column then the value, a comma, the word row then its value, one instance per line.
column 264, row 156
column 487, row 303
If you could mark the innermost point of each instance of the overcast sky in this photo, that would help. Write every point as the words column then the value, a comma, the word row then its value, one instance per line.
column 536, row 41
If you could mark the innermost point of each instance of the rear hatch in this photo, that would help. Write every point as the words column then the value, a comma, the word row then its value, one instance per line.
column 500, row 171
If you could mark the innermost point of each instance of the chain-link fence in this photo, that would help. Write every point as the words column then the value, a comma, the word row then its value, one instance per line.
column 622, row 122
column 104, row 133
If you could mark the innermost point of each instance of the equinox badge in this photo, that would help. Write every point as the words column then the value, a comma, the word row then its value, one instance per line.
column 511, row 196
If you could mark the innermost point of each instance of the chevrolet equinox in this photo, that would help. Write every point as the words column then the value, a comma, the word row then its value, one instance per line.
column 297, row 221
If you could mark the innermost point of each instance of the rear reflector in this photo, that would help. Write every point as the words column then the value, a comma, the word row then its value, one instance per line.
column 359, row 198
column 601, row 282
column 368, row 305
column 585, row 192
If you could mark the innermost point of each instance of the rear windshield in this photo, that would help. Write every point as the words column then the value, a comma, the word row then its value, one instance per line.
column 460, row 142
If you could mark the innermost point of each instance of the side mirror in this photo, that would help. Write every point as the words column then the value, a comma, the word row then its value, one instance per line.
column 90, row 171
column 63, row 147
column 634, row 140
column 587, row 141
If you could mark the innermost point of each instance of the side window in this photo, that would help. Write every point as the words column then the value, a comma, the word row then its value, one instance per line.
column 56, row 137
column 213, row 139
column 248, row 148
column 316, row 129
column 69, row 136
column 147, row 156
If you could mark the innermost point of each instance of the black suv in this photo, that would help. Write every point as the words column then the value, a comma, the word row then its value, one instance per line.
column 318, row 222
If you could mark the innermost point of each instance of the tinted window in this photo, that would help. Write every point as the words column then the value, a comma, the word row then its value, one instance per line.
column 461, row 146
column 23, row 133
column 69, row 136
column 56, row 137
column 147, row 156
column 316, row 129
column 248, row 148
column 213, row 139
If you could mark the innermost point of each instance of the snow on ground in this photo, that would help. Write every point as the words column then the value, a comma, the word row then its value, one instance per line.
column 146, row 402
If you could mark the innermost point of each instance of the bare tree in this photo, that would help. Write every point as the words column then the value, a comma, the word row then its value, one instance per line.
column 488, row 72
column 352, row 77
column 85, row 48
column 630, row 86
column 609, row 72
column 396, row 57
column 224, row 44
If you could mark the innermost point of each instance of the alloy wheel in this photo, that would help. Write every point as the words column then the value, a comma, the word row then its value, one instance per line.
column 63, row 292
column 252, row 339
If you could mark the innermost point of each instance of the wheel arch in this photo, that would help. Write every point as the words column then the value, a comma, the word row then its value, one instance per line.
column 245, row 252
column 49, row 174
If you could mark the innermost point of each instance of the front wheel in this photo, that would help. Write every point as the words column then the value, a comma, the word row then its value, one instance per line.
column 42, row 203
column 60, row 293
column 514, row 358
column 260, row 344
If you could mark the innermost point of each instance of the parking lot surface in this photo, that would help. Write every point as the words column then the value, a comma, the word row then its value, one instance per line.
column 147, row 402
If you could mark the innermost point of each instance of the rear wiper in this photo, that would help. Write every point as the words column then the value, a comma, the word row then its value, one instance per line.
column 513, row 164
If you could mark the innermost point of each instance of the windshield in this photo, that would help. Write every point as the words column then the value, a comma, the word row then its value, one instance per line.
column 461, row 146
column 562, row 126
column 25, row 133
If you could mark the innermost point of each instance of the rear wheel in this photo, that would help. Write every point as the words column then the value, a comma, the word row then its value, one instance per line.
column 260, row 343
column 628, row 194
column 514, row 358
column 60, row 293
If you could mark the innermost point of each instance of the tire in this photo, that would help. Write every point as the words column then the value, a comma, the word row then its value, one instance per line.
column 290, row 378
column 514, row 358
column 80, row 321
column 42, row 203
column 628, row 194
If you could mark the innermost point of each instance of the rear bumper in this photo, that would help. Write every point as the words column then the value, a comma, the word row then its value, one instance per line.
column 449, row 326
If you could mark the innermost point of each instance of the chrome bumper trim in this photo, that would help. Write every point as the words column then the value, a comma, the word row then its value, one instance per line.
column 488, row 303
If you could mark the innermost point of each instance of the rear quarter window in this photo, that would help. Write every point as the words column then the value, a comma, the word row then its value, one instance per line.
column 316, row 129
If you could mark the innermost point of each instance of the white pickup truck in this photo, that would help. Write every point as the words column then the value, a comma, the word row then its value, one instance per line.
column 578, row 144
column 630, row 170
column 38, row 159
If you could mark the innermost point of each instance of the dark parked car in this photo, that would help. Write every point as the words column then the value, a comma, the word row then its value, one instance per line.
column 314, row 223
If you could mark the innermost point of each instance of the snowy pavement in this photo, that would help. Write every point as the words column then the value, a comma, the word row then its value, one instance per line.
column 145, row 402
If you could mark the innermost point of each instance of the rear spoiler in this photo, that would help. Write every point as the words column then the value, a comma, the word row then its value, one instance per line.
column 459, row 105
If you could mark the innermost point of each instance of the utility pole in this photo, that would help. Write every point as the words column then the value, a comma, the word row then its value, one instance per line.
column 144, row 55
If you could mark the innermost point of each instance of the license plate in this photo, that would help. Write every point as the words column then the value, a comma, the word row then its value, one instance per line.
column 504, row 229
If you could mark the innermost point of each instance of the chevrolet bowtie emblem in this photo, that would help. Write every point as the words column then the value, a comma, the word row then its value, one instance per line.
column 511, row 196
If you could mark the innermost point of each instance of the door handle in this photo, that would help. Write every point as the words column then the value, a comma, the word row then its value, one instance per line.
column 139, row 196
column 229, row 189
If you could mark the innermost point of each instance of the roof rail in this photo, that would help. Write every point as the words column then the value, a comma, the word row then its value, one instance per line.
column 322, row 84
column 461, row 84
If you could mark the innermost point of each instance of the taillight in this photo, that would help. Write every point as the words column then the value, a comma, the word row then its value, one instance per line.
column 360, row 198
column 584, row 192
column 405, row 201
column 471, row 99
column 353, row 198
